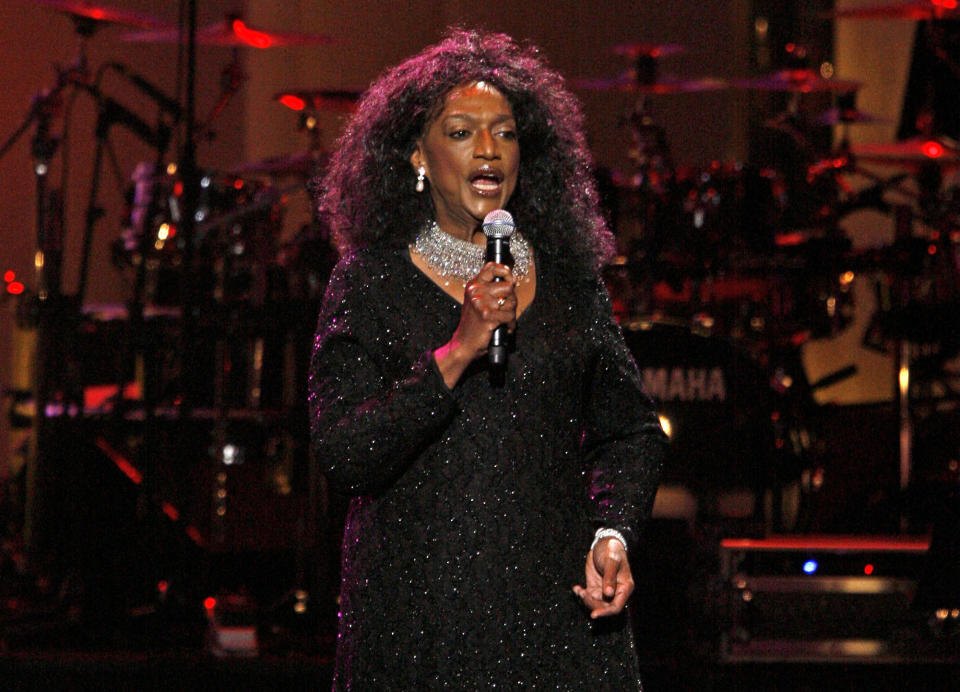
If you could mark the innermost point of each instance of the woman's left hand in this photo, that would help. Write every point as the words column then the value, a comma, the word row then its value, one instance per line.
column 609, row 581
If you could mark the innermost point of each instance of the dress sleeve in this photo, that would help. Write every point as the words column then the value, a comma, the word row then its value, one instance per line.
column 368, row 420
column 624, row 441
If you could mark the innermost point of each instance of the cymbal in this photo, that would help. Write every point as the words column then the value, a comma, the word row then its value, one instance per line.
column 302, row 163
column 911, row 152
column 803, row 81
column 922, row 10
column 232, row 32
column 847, row 116
column 100, row 13
column 336, row 100
column 661, row 85
column 647, row 50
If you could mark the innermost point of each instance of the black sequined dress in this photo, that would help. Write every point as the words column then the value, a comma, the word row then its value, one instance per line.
column 474, row 509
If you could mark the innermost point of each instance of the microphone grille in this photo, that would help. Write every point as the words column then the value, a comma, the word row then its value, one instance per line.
column 498, row 224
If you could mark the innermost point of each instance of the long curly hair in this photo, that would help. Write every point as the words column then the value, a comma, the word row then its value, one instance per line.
column 367, row 191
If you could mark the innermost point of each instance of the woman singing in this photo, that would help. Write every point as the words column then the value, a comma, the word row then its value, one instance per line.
column 476, row 498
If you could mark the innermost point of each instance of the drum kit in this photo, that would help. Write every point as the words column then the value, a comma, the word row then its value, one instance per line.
column 207, row 359
column 728, row 259
column 732, row 264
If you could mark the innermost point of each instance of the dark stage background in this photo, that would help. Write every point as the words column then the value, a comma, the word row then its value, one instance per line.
column 782, row 181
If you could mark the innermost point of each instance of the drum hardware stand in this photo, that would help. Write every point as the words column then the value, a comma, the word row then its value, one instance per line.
column 232, row 78
column 902, row 364
column 792, row 122
column 110, row 113
column 650, row 152
column 51, row 311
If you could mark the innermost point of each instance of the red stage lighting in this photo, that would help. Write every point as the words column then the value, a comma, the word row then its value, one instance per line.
column 172, row 512
column 252, row 37
column 293, row 102
column 933, row 149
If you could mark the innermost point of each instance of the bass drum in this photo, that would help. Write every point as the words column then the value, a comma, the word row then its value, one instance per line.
column 716, row 406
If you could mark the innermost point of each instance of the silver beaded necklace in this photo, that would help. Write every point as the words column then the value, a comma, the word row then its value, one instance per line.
column 453, row 258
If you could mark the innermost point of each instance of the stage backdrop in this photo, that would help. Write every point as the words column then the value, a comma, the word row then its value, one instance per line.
column 719, row 38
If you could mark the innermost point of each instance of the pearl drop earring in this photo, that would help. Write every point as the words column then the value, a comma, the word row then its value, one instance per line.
column 421, row 176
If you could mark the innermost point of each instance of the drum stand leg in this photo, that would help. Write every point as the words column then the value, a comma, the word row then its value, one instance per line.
column 906, row 424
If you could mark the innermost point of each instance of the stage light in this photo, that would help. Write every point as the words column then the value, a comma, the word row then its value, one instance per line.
column 667, row 426
column 209, row 603
column 761, row 26
column 9, row 275
column 15, row 288
column 810, row 566
column 932, row 149
column 293, row 102
column 251, row 37
column 868, row 569
column 232, row 455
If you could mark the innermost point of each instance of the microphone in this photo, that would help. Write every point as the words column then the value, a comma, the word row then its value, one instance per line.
column 166, row 103
column 498, row 227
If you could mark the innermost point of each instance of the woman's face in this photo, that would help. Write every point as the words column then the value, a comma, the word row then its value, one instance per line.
column 471, row 156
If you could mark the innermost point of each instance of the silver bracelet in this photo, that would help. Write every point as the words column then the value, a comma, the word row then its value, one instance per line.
column 608, row 533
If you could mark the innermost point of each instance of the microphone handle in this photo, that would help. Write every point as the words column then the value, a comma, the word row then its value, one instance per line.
column 498, row 250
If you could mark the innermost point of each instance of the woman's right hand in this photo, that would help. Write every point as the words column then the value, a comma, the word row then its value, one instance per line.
column 487, row 303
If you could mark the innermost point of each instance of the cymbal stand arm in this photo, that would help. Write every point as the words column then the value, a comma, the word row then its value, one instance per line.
column 231, row 79
column 110, row 113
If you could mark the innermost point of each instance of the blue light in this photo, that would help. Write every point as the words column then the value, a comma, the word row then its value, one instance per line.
column 810, row 566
